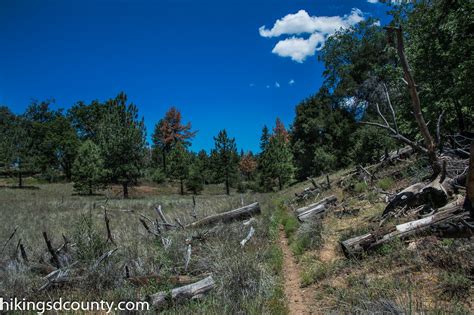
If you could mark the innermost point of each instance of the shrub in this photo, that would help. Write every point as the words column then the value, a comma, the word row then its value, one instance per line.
column 307, row 237
column 89, row 241
column 455, row 285
column 385, row 183
column 360, row 187
column 158, row 176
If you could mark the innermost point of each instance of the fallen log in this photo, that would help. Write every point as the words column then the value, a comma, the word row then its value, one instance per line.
column 156, row 279
column 330, row 199
column 188, row 292
column 452, row 212
column 237, row 214
column 435, row 194
column 317, row 210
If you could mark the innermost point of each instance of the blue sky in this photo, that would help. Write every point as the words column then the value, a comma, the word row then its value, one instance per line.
column 208, row 58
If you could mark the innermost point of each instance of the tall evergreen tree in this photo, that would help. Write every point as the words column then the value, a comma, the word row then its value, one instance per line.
column 122, row 141
column 179, row 160
column 225, row 159
column 169, row 131
column 277, row 159
column 88, row 172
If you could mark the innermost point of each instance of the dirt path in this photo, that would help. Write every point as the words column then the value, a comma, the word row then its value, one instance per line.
column 292, row 279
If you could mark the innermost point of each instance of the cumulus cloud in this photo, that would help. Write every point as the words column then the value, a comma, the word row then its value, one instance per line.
column 299, row 48
column 291, row 82
column 372, row 1
column 301, row 22
column 320, row 28
column 277, row 85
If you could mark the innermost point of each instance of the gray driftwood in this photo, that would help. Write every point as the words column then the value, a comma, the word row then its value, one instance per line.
column 315, row 210
column 237, row 214
column 188, row 292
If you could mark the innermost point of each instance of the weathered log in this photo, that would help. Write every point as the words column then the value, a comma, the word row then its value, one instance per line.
column 187, row 259
column 237, row 214
column 435, row 193
column 313, row 214
column 162, row 217
column 330, row 199
column 449, row 213
column 156, row 279
column 188, row 292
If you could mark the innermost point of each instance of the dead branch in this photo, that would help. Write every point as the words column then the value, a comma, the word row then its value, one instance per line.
column 8, row 240
column 54, row 255
column 248, row 237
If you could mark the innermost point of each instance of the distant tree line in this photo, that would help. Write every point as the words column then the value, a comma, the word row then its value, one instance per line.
column 103, row 143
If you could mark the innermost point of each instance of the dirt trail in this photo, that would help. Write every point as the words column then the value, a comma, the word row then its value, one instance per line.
column 292, row 279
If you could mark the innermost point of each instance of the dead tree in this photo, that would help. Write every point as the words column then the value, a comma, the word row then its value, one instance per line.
column 416, row 104
column 451, row 213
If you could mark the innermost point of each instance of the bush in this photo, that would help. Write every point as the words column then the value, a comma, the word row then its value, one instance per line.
column 360, row 187
column 90, row 244
column 308, row 237
column 385, row 183
column 455, row 285
column 158, row 176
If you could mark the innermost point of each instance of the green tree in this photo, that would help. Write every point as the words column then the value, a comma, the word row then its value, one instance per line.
column 179, row 159
column 225, row 159
column 88, row 172
column 195, row 180
column 277, row 159
column 121, row 138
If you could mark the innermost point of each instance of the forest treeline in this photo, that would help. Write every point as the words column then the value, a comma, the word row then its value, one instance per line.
column 342, row 124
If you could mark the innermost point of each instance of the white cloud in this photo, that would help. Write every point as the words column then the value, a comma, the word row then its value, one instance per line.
column 277, row 85
column 299, row 48
column 372, row 1
column 320, row 28
column 301, row 22
column 291, row 82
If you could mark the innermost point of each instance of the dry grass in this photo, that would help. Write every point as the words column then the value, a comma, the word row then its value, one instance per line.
column 248, row 279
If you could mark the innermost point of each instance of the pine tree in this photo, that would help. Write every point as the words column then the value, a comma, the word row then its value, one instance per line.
column 88, row 172
column 248, row 165
column 195, row 180
column 225, row 159
column 276, row 161
column 179, row 159
column 169, row 131
column 88, row 169
column 122, row 141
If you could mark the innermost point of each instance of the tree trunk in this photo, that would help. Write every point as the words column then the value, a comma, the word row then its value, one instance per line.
column 280, row 186
column 237, row 214
column 163, row 155
column 20, row 179
column 227, row 188
column 469, row 204
column 416, row 104
column 182, row 186
column 125, row 190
